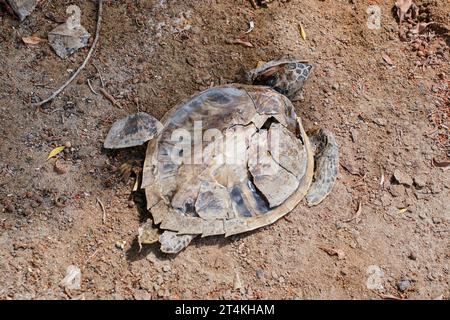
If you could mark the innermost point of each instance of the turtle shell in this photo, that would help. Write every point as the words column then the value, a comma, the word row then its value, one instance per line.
column 231, row 159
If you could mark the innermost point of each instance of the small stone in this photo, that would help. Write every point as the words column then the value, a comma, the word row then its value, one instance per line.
column 130, row 204
column 404, row 285
column 397, row 190
column 166, row 268
column 9, row 207
column 380, row 121
column 121, row 244
column 412, row 256
column 60, row 168
column 419, row 182
column 402, row 178
column 68, row 144
column 335, row 86
column 260, row 274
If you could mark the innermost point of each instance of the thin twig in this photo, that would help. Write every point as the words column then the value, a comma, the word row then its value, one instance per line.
column 103, row 210
column 91, row 51
column 108, row 96
column 357, row 213
column 99, row 74
column 90, row 87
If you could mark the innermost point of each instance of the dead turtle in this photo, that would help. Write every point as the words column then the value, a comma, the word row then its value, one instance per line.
column 231, row 159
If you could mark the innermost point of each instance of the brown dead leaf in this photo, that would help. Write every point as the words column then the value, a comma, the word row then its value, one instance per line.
column 334, row 252
column 441, row 164
column 240, row 41
column 33, row 40
column 350, row 168
column 403, row 7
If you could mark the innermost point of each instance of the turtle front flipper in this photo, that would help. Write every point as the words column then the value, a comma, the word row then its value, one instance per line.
column 172, row 242
column 326, row 162
column 134, row 130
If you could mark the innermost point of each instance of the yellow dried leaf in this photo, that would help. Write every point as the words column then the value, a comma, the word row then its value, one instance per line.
column 55, row 151
column 32, row 40
column 402, row 210
column 302, row 31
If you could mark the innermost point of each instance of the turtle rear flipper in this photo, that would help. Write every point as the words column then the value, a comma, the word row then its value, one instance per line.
column 134, row 130
column 172, row 242
column 326, row 162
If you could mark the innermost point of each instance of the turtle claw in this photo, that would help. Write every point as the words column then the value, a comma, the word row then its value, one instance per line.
column 134, row 130
column 326, row 161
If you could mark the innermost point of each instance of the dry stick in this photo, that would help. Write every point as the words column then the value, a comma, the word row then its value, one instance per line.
column 90, row 87
column 357, row 214
column 108, row 96
column 254, row 5
column 103, row 210
column 91, row 51
column 99, row 74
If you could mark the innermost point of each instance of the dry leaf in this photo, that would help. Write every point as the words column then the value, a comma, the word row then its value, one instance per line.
column 302, row 31
column 32, row 40
column 403, row 7
column 387, row 59
column 240, row 41
column 334, row 252
column 55, row 151
column 402, row 210
column 441, row 164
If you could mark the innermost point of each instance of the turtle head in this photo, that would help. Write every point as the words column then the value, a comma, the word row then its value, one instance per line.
column 286, row 76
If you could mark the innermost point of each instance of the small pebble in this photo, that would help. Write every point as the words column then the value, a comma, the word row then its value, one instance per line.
column 121, row 244
column 402, row 178
column 419, row 182
column 67, row 144
column 130, row 204
column 9, row 207
column 412, row 256
column 166, row 268
column 260, row 274
column 404, row 285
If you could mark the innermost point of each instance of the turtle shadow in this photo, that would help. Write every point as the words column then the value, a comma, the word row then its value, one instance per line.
column 135, row 253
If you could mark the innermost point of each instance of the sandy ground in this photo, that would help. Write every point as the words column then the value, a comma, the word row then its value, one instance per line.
column 385, row 99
